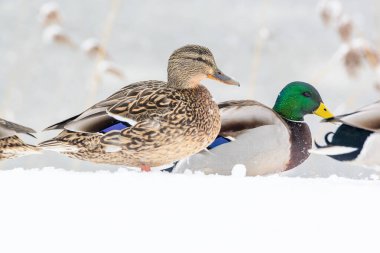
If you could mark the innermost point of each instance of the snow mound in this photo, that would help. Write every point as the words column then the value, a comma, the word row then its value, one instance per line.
column 53, row 210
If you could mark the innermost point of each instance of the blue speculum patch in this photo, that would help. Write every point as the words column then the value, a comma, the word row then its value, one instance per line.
column 118, row 126
column 220, row 140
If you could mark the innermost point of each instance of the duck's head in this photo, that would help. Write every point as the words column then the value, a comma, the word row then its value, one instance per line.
column 298, row 99
column 190, row 64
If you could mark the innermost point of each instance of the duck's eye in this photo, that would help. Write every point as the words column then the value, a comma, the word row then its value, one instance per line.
column 199, row 59
column 306, row 94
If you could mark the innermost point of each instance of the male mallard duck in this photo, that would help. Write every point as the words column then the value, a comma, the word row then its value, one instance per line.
column 11, row 146
column 357, row 139
column 265, row 140
column 149, row 123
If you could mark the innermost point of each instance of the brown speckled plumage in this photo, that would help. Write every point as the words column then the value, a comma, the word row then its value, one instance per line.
column 169, row 120
column 11, row 146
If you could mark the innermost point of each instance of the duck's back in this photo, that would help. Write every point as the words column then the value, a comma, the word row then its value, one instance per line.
column 367, row 118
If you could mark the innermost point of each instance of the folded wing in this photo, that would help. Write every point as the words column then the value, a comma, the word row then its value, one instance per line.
column 242, row 115
column 129, row 105
column 8, row 129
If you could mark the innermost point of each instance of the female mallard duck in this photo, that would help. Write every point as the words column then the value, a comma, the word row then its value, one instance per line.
column 357, row 139
column 265, row 140
column 11, row 146
column 149, row 123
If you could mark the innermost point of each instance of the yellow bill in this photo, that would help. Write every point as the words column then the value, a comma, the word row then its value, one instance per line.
column 323, row 112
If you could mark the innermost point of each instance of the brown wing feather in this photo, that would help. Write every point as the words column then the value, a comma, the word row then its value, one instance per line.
column 96, row 117
column 131, row 91
column 140, row 137
column 152, row 111
column 163, row 116
column 149, row 103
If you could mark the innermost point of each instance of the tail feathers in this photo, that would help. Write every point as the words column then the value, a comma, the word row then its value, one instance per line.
column 60, row 125
column 24, row 150
column 32, row 135
column 57, row 146
column 333, row 150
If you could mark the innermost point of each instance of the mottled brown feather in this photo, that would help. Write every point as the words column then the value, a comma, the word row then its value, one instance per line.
column 12, row 146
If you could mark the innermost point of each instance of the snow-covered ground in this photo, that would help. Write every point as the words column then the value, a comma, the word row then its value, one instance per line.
column 53, row 210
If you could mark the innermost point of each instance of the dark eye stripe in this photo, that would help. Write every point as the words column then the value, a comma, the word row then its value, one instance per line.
column 201, row 60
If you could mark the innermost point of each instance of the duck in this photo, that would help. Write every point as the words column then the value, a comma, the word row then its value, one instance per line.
column 265, row 140
column 356, row 140
column 11, row 145
column 149, row 123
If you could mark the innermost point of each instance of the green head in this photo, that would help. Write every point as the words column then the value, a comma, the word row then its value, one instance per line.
column 298, row 99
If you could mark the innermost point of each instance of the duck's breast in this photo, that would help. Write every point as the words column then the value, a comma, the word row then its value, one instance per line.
column 203, row 115
column 300, row 140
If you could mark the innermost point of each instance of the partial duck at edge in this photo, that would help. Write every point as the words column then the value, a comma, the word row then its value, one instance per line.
column 11, row 145
column 357, row 139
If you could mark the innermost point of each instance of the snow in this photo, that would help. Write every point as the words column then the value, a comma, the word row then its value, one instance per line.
column 239, row 170
column 54, row 210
